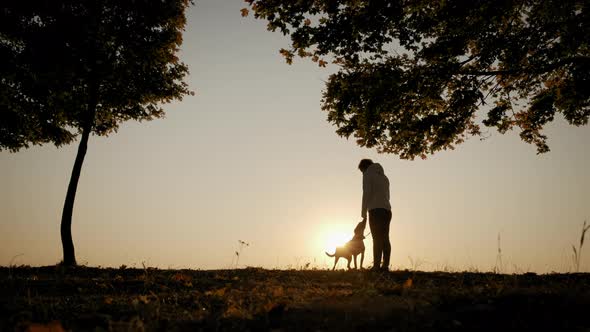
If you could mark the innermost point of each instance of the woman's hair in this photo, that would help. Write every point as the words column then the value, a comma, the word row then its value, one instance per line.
column 364, row 164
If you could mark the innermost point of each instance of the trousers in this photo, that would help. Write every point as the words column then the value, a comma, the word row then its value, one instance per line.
column 379, row 220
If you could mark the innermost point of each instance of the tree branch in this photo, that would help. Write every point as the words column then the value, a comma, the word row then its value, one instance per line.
column 542, row 70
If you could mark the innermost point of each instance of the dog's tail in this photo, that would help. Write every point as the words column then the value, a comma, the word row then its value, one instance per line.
column 330, row 255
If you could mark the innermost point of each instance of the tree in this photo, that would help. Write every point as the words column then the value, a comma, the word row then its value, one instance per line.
column 74, row 68
column 415, row 76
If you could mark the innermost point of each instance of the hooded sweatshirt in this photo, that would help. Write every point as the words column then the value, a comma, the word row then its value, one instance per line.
column 375, row 189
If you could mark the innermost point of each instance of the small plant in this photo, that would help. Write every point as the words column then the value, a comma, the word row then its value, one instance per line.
column 11, row 266
column 239, row 251
column 499, row 265
column 415, row 264
column 147, row 278
column 577, row 255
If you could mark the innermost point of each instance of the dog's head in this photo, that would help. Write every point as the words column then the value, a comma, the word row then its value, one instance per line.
column 359, row 230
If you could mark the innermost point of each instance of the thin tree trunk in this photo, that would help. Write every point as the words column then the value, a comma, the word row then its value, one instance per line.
column 69, row 258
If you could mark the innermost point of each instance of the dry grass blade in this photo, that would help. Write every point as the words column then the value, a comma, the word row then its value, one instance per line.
column 578, row 253
column 499, row 265
column 584, row 229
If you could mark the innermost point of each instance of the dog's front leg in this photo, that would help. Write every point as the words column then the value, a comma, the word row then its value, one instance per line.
column 355, row 267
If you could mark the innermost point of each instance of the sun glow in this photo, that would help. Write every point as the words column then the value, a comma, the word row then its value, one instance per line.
column 335, row 239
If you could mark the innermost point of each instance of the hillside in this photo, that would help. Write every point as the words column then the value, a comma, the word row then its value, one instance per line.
column 99, row 299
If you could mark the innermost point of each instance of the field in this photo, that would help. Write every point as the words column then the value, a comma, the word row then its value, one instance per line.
column 124, row 299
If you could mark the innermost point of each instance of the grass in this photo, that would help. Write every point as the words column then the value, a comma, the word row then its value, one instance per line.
column 11, row 265
column 577, row 254
column 58, row 298
column 150, row 299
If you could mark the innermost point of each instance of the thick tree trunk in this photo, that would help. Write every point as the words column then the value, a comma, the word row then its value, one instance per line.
column 69, row 258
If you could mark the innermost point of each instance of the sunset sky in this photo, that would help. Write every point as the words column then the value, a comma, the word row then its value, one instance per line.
column 251, row 157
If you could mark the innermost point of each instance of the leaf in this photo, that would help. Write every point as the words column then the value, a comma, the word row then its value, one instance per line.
column 408, row 283
column 235, row 311
column 216, row 293
column 54, row 326
column 181, row 277
column 244, row 12
column 278, row 291
column 288, row 55
column 144, row 299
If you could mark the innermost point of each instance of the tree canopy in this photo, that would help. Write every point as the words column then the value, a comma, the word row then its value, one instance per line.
column 419, row 76
column 70, row 63
column 74, row 68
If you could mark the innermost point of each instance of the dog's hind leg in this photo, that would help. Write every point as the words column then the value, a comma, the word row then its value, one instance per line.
column 335, row 262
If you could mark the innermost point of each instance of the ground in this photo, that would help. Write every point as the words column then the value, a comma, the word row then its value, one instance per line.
column 124, row 299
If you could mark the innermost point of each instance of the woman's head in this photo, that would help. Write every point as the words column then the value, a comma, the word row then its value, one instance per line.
column 364, row 164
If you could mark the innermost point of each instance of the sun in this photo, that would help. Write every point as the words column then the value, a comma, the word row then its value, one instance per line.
column 335, row 239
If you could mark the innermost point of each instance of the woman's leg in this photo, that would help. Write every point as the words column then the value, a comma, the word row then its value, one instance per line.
column 376, row 225
column 386, row 243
